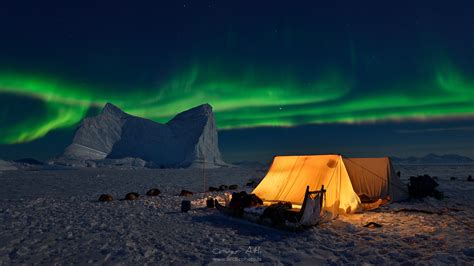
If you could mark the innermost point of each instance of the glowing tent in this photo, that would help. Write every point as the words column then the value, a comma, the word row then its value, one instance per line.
column 344, row 180
column 289, row 176
column 375, row 178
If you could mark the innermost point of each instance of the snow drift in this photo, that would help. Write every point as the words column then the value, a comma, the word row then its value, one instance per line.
column 187, row 140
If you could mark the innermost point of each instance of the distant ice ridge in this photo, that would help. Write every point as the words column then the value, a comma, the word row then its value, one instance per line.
column 188, row 140
column 434, row 159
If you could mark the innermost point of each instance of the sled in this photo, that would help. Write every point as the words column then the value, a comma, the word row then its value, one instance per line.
column 296, row 219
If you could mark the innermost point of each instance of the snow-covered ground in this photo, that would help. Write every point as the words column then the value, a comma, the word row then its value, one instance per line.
column 53, row 217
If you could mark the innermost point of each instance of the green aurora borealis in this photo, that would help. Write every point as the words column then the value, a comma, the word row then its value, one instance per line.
column 249, row 99
column 369, row 78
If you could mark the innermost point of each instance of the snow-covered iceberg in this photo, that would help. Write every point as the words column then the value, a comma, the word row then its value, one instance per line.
column 188, row 140
column 5, row 166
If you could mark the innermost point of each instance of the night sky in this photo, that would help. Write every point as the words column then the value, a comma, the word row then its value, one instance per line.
column 353, row 77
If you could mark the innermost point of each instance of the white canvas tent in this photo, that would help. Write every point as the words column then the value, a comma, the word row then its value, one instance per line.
column 289, row 176
column 375, row 178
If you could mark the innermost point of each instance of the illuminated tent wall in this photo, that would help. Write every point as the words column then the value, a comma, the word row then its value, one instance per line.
column 375, row 178
column 289, row 175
